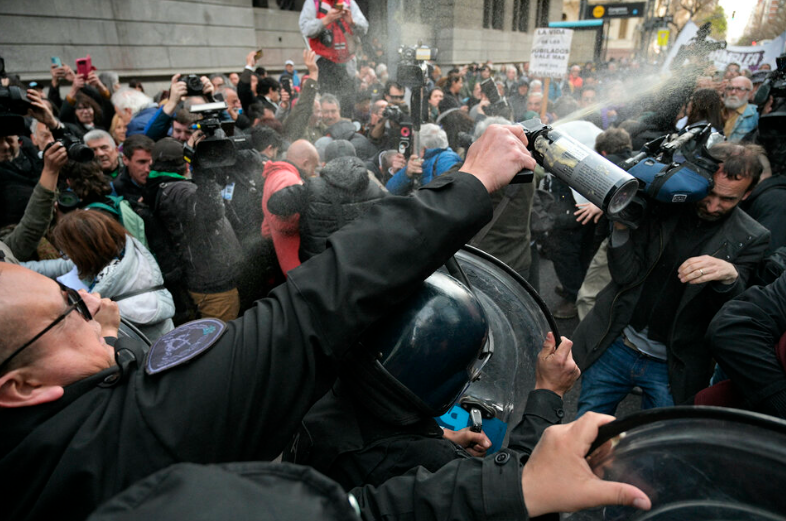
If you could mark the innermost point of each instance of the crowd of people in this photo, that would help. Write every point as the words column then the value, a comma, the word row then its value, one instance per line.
column 118, row 205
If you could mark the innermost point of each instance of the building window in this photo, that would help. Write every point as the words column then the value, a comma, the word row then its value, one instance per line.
column 493, row 14
column 542, row 17
column 623, row 32
column 521, row 15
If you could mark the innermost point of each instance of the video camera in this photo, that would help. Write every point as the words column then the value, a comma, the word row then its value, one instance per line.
column 412, row 69
column 663, row 180
column 498, row 104
column 218, row 147
column 13, row 106
column 771, row 125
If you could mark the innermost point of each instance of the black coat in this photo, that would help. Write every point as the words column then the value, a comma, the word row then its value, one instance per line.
column 740, row 240
column 742, row 339
column 18, row 178
column 356, row 445
column 767, row 204
column 193, row 215
column 243, row 398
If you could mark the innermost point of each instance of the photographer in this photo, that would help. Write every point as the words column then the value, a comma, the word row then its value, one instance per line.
column 21, row 244
column 333, row 29
column 338, row 128
column 192, row 212
column 435, row 158
column 20, row 165
column 164, row 119
column 669, row 278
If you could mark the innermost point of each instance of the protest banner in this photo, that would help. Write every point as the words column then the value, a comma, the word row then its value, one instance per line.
column 549, row 58
column 749, row 57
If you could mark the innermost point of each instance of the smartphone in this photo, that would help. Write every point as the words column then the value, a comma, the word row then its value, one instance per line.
column 258, row 55
column 339, row 6
column 56, row 61
column 84, row 65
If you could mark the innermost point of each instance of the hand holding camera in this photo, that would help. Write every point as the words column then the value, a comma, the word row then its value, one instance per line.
column 54, row 158
column 40, row 110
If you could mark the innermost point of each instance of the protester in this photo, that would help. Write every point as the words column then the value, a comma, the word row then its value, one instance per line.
column 742, row 117
column 114, row 264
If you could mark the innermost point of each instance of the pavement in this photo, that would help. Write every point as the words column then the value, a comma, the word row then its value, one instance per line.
column 548, row 280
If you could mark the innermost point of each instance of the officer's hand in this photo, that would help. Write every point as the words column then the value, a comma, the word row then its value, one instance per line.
column 414, row 166
column 476, row 443
column 698, row 270
column 557, row 477
column 556, row 370
column 499, row 154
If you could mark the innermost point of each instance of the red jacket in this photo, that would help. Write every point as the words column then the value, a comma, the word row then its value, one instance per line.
column 285, row 231
column 340, row 51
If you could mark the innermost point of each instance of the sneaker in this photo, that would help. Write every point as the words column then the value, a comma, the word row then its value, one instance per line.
column 566, row 310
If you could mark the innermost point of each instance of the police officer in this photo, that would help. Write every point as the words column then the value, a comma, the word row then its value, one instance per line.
column 81, row 420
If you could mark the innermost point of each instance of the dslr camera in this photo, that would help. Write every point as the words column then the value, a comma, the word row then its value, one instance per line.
column 77, row 151
column 193, row 84
column 394, row 113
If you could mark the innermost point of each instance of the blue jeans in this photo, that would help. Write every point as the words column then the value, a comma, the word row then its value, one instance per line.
column 609, row 380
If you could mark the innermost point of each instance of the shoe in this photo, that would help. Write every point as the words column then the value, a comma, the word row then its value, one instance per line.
column 566, row 310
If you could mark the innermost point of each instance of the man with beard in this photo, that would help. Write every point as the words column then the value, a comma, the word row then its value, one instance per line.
column 669, row 278
column 741, row 117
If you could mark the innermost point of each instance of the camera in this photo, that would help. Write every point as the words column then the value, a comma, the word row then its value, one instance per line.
column 662, row 180
column 326, row 38
column 218, row 147
column 412, row 70
column 393, row 113
column 193, row 84
column 76, row 150
column 13, row 105
column 286, row 84
column 498, row 105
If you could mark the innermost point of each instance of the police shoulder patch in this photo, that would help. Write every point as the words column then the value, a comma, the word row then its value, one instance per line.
column 183, row 343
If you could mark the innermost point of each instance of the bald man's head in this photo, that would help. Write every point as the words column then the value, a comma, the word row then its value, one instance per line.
column 304, row 155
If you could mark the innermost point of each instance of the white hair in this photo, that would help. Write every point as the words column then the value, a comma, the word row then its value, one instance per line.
column 109, row 79
column 511, row 68
column 431, row 136
column 481, row 127
column 132, row 99
column 535, row 83
column 96, row 134
column 535, row 95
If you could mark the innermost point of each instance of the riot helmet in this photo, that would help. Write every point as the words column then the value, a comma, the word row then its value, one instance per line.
column 418, row 360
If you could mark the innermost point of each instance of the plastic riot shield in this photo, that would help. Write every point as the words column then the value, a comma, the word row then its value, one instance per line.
column 517, row 328
column 695, row 463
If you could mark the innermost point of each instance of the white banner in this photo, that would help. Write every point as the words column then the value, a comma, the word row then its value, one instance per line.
column 550, row 53
column 748, row 57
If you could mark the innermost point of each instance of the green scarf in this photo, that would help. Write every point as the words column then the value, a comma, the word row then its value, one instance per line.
column 155, row 173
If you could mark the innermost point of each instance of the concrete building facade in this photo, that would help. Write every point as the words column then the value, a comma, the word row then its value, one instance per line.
column 153, row 39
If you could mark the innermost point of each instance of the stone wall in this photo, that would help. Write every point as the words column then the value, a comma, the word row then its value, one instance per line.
column 153, row 39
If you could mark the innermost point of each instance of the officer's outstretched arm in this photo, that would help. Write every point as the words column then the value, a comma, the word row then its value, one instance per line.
column 556, row 478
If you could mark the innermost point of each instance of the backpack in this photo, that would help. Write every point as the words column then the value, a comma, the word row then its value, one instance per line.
column 127, row 216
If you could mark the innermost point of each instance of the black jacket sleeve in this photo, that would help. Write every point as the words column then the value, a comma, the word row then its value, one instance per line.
column 743, row 337
column 244, row 92
column 244, row 398
column 544, row 409
column 297, row 121
column 470, row 488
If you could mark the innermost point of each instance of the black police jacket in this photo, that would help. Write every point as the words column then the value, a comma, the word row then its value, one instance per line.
column 243, row 398
column 283, row 492
column 356, row 446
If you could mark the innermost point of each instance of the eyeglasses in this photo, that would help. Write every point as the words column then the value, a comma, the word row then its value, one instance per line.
column 740, row 89
column 84, row 108
column 75, row 302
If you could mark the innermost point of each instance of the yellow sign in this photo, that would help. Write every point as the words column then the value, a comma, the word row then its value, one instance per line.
column 663, row 37
column 598, row 11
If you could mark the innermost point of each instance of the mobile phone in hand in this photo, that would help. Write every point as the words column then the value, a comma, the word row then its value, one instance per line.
column 56, row 61
column 84, row 66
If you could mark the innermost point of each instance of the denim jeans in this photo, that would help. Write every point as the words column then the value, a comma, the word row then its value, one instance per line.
column 609, row 380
